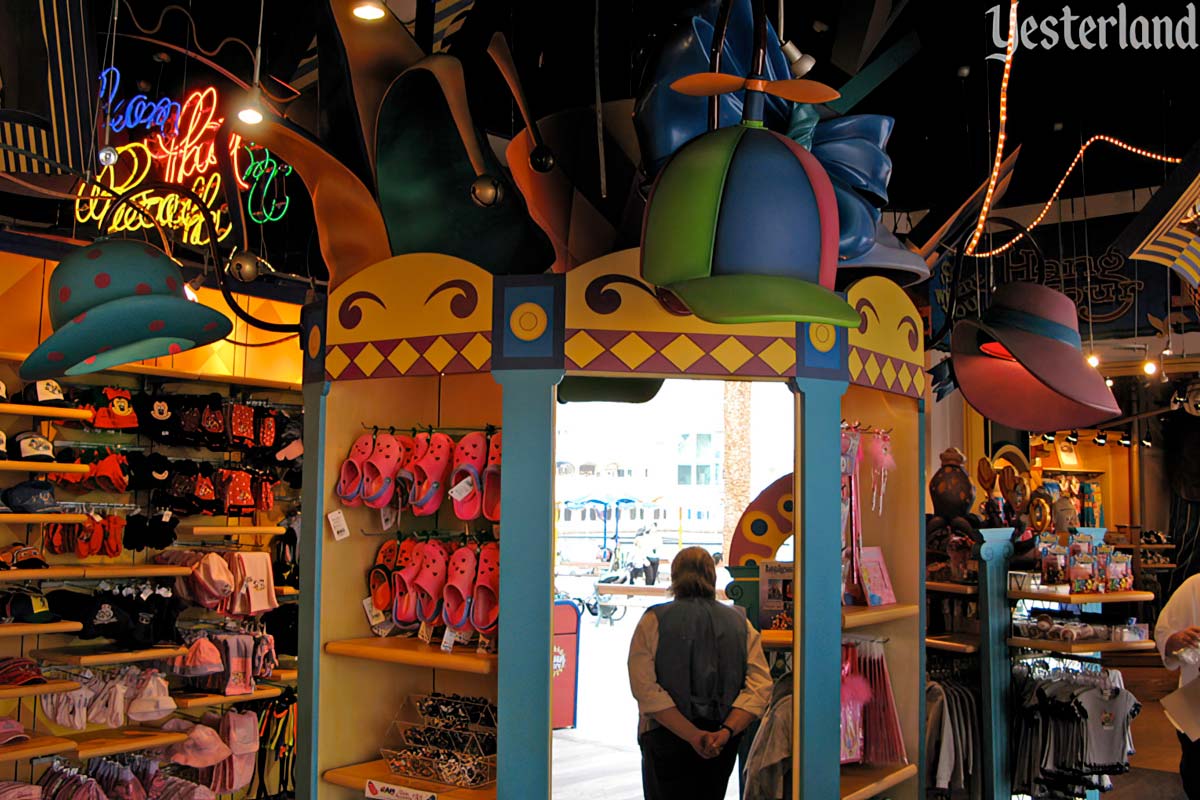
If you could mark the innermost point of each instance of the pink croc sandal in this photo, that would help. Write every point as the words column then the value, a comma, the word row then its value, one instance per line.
column 430, row 474
column 379, row 473
column 470, row 457
column 485, row 608
column 460, row 586
column 491, row 480
column 419, row 446
column 350, row 476
column 404, row 594
column 431, row 581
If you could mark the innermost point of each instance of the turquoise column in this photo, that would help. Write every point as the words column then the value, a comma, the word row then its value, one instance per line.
column 526, row 583
column 922, row 624
column 816, row 654
column 312, row 497
column 995, row 665
column 527, row 361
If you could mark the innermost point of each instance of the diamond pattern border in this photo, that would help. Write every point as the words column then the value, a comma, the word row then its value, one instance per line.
column 674, row 353
column 879, row 371
column 452, row 353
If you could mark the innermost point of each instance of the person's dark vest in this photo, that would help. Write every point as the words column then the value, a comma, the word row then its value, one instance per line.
column 701, row 657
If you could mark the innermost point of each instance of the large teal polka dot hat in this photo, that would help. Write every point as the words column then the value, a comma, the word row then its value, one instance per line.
column 117, row 301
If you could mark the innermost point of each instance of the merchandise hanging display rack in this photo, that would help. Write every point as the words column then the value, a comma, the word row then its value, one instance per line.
column 284, row 676
column 39, row 628
column 96, row 744
column 39, row 519
column 948, row 587
column 200, row 700
column 36, row 689
column 1080, row 648
column 953, row 643
column 50, row 412
column 44, row 466
column 1081, row 598
column 36, row 747
column 415, row 653
column 94, row 656
column 52, row 573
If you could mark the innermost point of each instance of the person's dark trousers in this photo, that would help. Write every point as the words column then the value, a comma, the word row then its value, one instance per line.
column 651, row 571
column 672, row 770
column 1189, row 766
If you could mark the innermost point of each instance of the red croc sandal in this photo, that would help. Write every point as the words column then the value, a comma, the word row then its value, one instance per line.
column 350, row 476
column 491, row 480
column 379, row 579
column 470, row 458
column 430, row 474
column 404, row 594
column 460, row 586
column 485, row 607
column 431, row 581
column 379, row 472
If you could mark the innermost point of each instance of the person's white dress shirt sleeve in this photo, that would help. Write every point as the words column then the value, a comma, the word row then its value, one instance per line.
column 643, row 678
column 1181, row 611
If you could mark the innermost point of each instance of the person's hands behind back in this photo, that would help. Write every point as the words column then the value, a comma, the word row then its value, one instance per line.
column 1181, row 640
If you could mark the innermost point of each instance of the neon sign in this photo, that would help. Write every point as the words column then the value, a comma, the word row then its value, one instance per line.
column 183, row 152
column 263, row 203
column 138, row 110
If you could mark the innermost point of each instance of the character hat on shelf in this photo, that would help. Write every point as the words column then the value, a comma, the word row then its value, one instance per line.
column 1022, row 364
column 117, row 301
column 742, row 223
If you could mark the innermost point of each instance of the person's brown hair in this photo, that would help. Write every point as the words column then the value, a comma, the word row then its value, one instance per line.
column 693, row 574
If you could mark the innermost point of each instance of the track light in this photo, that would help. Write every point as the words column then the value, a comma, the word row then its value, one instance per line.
column 799, row 64
column 1149, row 367
column 1093, row 360
column 1108, row 382
column 251, row 112
column 1073, row 437
column 369, row 10
column 1146, row 441
column 191, row 288
column 1100, row 439
column 1126, row 441
column 1048, row 437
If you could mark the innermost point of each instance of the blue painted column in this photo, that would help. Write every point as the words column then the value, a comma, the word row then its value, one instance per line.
column 816, row 654
column 312, row 496
column 922, row 624
column 528, row 315
column 526, row 583
column 995, row 664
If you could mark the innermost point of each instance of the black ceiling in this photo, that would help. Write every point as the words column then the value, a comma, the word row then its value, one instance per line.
column 941, row 146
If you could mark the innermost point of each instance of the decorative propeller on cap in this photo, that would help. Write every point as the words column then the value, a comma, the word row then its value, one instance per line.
column 798, row 90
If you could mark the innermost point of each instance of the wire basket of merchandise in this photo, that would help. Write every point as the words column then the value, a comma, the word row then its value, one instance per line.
column 473, row 742
column 454, row 711
column 440, row 766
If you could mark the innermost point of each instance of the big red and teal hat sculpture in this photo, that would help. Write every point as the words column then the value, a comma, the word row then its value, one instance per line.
column 742, row 223
column 117, row 301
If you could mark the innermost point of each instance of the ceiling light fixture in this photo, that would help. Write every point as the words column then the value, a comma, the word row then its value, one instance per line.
column 1108, row 382
column 251, row 113
column 1149, row 367
column 1048, row 437
column 369, row 10
column 1100, row 439
column 1146, row 442
column 191, row 289
column 1126, row 441
column 1072, row 437
column 1093, row 360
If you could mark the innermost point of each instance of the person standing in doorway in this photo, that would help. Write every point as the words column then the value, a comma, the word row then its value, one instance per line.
column 1178, row 636
column 698, row 673
column 645, row 555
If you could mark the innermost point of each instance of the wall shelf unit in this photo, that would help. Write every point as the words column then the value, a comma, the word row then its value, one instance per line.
column 415, row 653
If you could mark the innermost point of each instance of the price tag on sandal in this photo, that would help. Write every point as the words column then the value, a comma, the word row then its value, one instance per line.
column 449, row 639
column 460, row 490
column 425, row 634
column 337, row 522
column 374, row 615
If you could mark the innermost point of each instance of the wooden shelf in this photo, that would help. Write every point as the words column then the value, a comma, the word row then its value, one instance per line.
column 953, row 643
column 38, row 628
column 356, row 776
column 38, row 519
column 235, row 530
column 36, row 689
column 413, row 652
column 1159, row 566
column 36, row 747
column 863, row 783
column 49, row 574
column 286, row 591
column 207, row 700
column 858, row 616
column 99, row 656
column 23, row 410
column 1147, row 546
column 284, row 675
column 44, row 466
column 946, row 587
column 96, row 744
column 105, row 571
column 1055, row 646
column 1081, row 599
